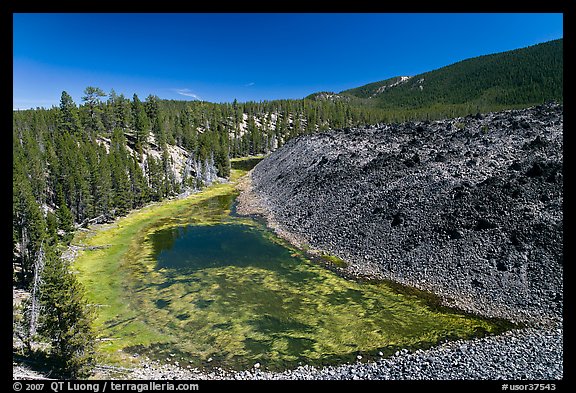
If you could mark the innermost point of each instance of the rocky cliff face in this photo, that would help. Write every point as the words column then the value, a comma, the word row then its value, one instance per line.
column 182, row 164
column 469, row 208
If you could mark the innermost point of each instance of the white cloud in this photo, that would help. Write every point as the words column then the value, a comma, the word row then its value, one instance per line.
column 187, row 93
column 249, row 84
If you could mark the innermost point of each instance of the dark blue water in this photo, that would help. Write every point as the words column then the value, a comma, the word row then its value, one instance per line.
column 197, row 247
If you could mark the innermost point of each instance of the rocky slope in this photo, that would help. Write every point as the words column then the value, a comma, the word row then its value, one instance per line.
column 468, row 208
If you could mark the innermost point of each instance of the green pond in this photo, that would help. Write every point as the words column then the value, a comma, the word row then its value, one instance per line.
column 188, row 281
column 228, row 293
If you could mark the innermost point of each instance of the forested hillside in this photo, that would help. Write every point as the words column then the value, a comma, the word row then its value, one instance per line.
column 74, row 165
column 512, row 79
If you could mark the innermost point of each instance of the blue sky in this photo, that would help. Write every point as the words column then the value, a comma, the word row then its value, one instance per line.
column 220, row 57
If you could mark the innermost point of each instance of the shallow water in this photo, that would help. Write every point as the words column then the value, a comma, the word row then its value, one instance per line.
column 228, row 293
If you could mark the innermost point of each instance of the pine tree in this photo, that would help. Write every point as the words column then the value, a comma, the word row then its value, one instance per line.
column 168, row 176
column 159, row 131
column 141, row 124
column 138, row 186
column 92, row 99
column 65, row 218
column 66, row 319
column 82, row 197
column 30, row 226
column 69, row 120
column 154, row 178
column 27, row 218
column 35, row 164
column 103, row 187
column 151, row 107
column 51, row 228
column 220, row 152
column 123, row 112
column 122, row 199
column 109, row 115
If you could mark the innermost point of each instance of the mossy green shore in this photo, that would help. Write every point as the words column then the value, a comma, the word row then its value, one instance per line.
column 274, row 307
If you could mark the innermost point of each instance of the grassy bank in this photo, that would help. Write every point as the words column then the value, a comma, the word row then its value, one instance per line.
column 110, row 266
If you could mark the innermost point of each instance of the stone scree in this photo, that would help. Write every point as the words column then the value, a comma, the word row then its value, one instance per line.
column 468, row 208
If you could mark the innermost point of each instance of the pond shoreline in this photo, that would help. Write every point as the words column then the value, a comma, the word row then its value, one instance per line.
column 385, row 368
column 389, row 203
column 429, row 333
column 523, row 354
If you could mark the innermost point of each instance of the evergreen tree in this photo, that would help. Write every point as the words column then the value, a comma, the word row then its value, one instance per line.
column 66, row 319
column 122, row 109
column 53, row 173
column 141, row 124
column 168, row 176
column 92, row 99
column 138, row 186
column 35, row 164
column 222, row 154
column 155, row 177
column 29, row 226
column 296, row 125
column 102, row 188
column 83, row 199
column 151, row 107
column 109, row 115
column 122, row 199
column 65, row 218
column 69, row 120
column 255, row 136
column 51, row 228
column 159, row 131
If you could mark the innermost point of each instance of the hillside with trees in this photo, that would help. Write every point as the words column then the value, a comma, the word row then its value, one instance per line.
column 511, row 79
column 101, row 159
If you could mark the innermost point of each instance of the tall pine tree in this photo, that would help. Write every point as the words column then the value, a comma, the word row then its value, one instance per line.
column 66, row 319
column 69, row 119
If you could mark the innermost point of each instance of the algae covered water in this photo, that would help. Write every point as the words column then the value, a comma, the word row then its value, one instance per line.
column 197, row 286
column 239, row 296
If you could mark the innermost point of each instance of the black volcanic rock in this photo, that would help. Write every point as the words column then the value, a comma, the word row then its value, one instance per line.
column 474, row 216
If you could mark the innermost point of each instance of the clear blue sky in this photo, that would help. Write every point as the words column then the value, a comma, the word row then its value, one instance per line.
column 220, row 57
